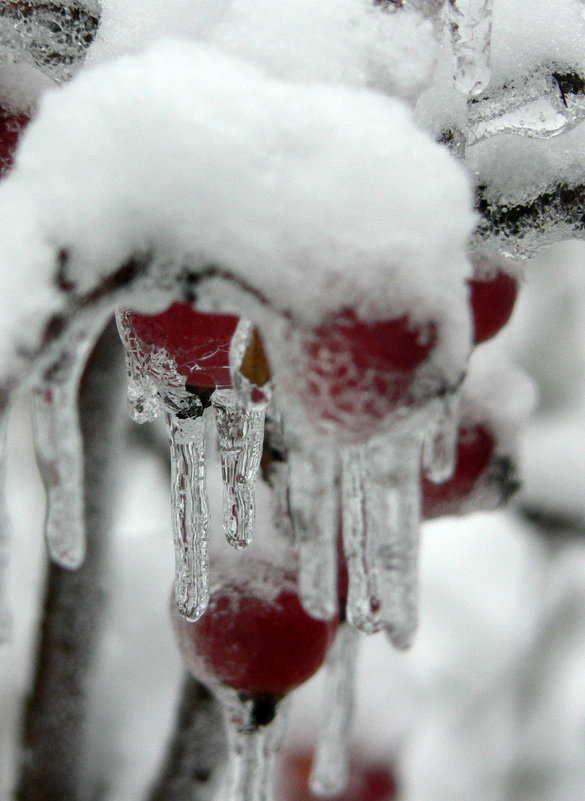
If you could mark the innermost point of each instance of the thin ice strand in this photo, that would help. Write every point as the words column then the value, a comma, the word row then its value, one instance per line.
column 5, row 616
column 440, row 442
column 241, row 436
column 313, row 508
column 330, row 769
column 58, row 442
column 252, row 746
column 471, row 29
column 190, row 514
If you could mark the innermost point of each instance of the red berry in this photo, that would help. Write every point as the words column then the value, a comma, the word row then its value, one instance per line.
column 198, row 342
column 475, row 449
column 492, row 300
column 368, row 780
column 358, row 372
column 255, row 636
column 11, row 125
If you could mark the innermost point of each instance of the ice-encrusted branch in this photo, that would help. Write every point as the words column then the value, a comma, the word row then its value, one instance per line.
column 53, row 727
column 196, row 750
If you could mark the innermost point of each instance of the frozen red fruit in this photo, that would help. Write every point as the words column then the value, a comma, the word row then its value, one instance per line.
column 368, row 780
column 11, row 126
column 475, row 450
column 492, row 299
column 198, row 342
column 358, row 372
column 255, row 636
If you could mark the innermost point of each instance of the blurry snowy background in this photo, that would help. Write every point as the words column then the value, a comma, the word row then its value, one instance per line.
column 490, row 702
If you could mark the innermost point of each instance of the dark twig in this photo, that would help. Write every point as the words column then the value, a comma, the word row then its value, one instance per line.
column 53, row 727
column 197, row 749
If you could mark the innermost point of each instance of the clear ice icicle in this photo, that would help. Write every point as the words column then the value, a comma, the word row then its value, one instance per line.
column 143, row 400
column 190, row 514
column 330, row 769
column 5, row 618
column 313, row 509
column 440, row 442
column 363, row 600
column 58, row 442
column 241, row 436
column 471, row 27
column 252, row 746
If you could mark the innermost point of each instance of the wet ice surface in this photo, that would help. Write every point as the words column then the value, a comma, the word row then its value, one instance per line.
column 470, row 23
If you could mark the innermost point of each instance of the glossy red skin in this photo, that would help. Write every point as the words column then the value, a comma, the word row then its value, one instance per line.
column 492, row 302
column 198, row 342
column 368, row 781
column 370, row 365
column 475, row 449
column 254, row 645
column 11, row 126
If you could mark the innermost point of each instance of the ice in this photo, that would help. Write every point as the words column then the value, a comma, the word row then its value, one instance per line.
column 240, row 432
column 52, row 36
column 313, row 508
column 249, row 370
column 544, row 104
column 5, row 618
column 143, row 399
column 331, row 761
column 471, row 26
column 190, row 512
column 58, row 442
column 381, row 513
column 440, row 442
column 252, row 744
column 429, row 8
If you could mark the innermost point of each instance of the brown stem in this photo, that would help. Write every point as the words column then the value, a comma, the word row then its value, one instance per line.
column 197, row 749
column 54, row 718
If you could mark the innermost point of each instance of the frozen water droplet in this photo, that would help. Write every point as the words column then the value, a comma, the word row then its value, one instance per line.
column 330, row 770
column 241, row 435
column 539, row 106
column 252, row 745
column 313, row 508
column 5, row 617
column 440, row 442
column 58, row 442
column 190, row 513
column 363, row 600
column 471, row 28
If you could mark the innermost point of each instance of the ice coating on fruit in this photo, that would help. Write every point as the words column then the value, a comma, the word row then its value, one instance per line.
column 313, row 509
column 190, row 514
column 5, row 617
column 329, row 774
column 143, row 400
column 440, row 441
column 53, row 36
column 255, row 636
column 240, row 433
column 471, row 27
column 58, row 442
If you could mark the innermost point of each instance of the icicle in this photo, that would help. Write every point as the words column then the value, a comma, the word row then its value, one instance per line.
column 241, row 434
column 539, row 106
column 471, row 28
column 330, row 770
column 190, row 513
column 363, row 601
column 5, row 617
column 397, row 557
column 440, row 442
column 143, row 399
column 58, row 443
column 252, row 746
column 313, row 508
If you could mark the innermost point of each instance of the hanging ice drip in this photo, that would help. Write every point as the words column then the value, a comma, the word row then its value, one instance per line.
column 52, row 34
column 181, row 362
column 470, row 23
